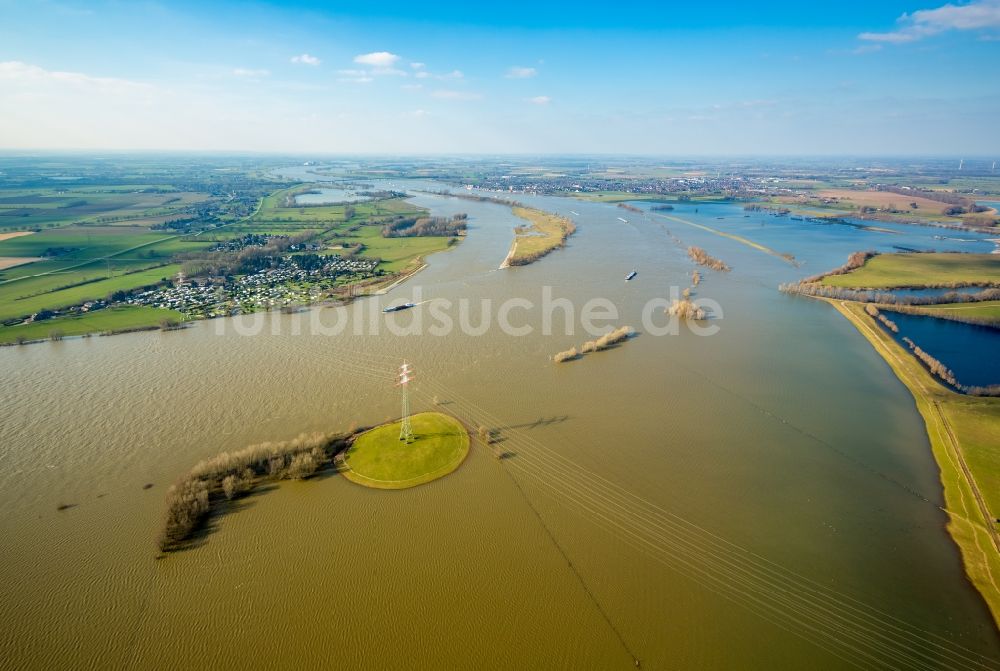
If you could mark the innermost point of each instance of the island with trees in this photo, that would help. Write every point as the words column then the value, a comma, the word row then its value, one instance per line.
column 374, row 457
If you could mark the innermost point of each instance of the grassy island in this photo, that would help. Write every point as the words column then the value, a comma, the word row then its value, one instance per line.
column 379, row 459
column 545, row 233
column 374, row 458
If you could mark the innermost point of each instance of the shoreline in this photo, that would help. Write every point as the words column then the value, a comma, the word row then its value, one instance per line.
column 970, row 523
column 348, row 297
column 510, row 255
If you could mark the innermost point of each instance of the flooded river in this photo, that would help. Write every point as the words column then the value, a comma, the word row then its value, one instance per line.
column 764, row 497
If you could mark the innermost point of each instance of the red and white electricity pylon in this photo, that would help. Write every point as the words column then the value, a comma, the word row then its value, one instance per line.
column 404, row 377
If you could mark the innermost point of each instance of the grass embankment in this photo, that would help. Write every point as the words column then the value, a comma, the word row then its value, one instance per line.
column 379, row 459
column 964, row 433
column 732, row 236
column 886, row 271
column 545, row 232
column 108, row 321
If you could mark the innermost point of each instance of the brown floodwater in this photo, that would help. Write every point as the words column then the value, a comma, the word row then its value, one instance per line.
column 761, row 498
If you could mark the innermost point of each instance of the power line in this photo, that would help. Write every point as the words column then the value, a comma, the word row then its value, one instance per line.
column 404, row 377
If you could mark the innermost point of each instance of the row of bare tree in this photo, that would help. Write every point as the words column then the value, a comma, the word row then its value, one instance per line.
column 620, row 334
column 231, row 474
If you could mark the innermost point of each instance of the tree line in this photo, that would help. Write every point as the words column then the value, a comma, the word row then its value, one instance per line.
column 231, row 474
column 702, row 258
column 407, row 227
column 935, row 366
column 606, row 341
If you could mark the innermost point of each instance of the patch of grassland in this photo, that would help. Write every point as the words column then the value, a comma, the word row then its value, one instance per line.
column 111, row 320
column 546, row 232
column 379, row 459
column 81, row 242
column 964, row 433
column 364, row 226
column 49, row 208
column 397, row 254
column 21, row 307
column 914, row 270
column 988, row 309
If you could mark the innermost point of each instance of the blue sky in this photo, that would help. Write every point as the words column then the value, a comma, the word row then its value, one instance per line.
column 915, row 77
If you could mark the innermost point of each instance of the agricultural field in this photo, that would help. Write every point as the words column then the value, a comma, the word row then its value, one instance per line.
column 111, row 320
column 915, row 270
column 13, row 305
column 328, row 222
column 64, row 247
column 854, row 198
column 882, row 205
column 397, row 254
column 33, row 210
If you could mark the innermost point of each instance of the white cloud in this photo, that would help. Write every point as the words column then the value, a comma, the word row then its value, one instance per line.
column 454, row 74
column 540, row 100
column 446, row 94
column 354, row 76
column 520, row 73
column 306, row 59
column 923, row 23
column 377, row 59
column 866, row 49
column 251, row 74
column 412, row 87
column 24, row 73
column 417, row 66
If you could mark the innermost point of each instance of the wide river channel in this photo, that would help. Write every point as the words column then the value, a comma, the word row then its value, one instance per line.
column 763, row 497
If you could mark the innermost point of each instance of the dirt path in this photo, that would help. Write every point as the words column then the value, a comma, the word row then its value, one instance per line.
column 917, row 386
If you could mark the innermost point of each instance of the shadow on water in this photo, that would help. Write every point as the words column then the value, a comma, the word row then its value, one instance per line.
column 541, row 421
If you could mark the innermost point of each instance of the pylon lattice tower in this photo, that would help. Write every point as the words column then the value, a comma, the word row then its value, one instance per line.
column 405, row 375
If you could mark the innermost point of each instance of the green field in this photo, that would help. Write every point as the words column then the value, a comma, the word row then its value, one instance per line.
column 379, row 459
column 36, row 209
column 397, row 254
column 100, row 240
column 330, row 227
column 111, row 320
column 887, row 271
column 11, row 306
column 989, row 309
